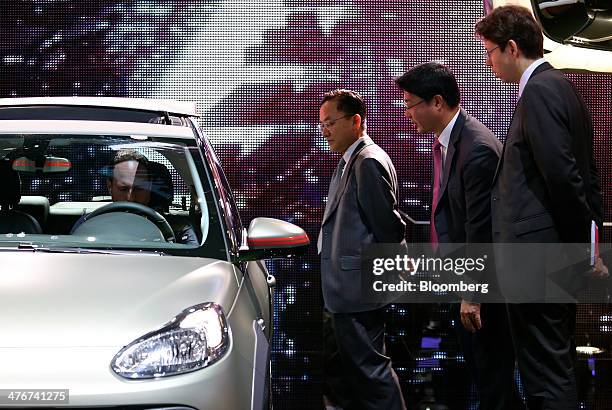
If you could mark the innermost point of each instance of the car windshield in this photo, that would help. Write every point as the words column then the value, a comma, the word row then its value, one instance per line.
column 100, row 186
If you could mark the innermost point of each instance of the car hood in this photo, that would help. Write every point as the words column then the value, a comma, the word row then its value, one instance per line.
column 87, row 300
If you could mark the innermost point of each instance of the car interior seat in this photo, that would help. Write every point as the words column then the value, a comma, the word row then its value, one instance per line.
column 13, row 220
column 162, row 194
column 35, row 205
column 162, row 188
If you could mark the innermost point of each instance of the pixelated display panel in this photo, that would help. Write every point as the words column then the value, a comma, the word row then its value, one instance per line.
column 257, row 71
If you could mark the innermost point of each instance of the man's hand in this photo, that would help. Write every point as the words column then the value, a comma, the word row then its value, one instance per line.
column 470, row 316
column 599, row 270
column 406, row 274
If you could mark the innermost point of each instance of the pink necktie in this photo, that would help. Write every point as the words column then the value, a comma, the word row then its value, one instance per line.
column 437, row 157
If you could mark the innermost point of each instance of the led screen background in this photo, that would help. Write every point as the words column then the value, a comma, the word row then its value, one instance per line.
column 257, row 70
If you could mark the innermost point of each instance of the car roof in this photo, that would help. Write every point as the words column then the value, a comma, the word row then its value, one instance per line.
column 60, row 127
column 146, row 104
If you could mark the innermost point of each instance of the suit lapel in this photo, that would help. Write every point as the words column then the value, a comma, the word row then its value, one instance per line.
column 545, row 66
column 345, row 176
column 541, row 68
column 501, row 157
column 450, row 153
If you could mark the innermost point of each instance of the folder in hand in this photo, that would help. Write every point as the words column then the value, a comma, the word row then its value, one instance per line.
column 594, row 243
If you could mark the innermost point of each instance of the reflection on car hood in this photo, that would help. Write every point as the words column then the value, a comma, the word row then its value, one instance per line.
column 68, row 300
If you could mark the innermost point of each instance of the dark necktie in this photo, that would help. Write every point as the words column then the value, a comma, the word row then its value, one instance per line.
column 437, row 157
column 333, row 187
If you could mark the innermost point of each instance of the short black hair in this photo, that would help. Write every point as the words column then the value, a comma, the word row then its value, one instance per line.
column 347, row 101
column 127, row 155
column 431, row 79
column 513, row 23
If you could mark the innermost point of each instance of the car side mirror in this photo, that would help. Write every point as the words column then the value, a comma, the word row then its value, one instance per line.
column 269, row 238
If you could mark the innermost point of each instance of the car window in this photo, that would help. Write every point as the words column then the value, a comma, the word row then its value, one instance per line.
column 68, row 183
column 231, row 214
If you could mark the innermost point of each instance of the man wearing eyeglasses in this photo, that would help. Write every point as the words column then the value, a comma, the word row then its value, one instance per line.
column 465, row 155
column 545, row 190
column 362, row 208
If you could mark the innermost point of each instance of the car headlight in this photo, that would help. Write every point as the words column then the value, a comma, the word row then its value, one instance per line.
column 194, row 339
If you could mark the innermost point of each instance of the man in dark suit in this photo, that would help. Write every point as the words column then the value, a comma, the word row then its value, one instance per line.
column 545, row 191
column 133, row 178
column 466, row 154
column 362, row 208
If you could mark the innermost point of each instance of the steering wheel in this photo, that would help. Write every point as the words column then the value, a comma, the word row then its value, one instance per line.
column 136, row 208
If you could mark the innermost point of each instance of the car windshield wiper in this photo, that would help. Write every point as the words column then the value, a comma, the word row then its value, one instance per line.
column 32, row 247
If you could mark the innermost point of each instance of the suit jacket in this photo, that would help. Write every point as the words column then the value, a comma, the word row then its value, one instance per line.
column 463, row 211
column 363, row 211
column 546, row 187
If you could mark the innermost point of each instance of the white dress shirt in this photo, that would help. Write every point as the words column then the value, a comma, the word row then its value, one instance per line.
column 527, row 74
column 444, row 138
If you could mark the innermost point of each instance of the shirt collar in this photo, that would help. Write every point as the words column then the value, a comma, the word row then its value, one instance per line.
column 527, row 74
column 349, row 152
column 445, row 135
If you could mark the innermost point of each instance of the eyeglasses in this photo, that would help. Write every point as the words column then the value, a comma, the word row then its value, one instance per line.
column 408, row 107
column 328, row 124
column 489, row 52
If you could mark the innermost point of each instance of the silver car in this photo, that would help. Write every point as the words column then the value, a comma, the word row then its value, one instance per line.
column 128, row 289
